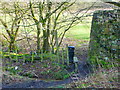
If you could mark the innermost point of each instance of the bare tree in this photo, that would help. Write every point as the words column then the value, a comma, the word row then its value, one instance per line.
column 14, row 12
column 53, row 20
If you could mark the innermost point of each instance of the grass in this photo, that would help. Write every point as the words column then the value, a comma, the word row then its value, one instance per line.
column 79, row 32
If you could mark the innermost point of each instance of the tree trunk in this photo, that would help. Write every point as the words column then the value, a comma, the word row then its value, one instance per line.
column 46, row 45
column 46, row 33
column 12, row 45
column 38, row 39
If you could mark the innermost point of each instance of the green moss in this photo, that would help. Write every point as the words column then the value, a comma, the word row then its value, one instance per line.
column 104, row 38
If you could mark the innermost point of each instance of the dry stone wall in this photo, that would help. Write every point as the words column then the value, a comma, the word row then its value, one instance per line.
column 105, row 37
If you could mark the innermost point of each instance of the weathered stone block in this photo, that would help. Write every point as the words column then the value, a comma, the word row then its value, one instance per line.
column 105, row 36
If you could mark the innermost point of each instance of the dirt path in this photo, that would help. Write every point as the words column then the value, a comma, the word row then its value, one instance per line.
column 83, row 71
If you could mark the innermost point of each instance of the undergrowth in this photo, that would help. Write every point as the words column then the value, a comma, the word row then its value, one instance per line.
column 103, row 77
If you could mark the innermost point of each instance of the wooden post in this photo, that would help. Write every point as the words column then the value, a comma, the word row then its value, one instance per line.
column 41, row 55
column 57, row 47
column 16, row 55
column 67, row 54
column 62, row 56
column 24, row 58
column 32, row 56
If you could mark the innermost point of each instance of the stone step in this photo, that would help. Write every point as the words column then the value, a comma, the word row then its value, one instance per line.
column 74, row 78
column 75, row 75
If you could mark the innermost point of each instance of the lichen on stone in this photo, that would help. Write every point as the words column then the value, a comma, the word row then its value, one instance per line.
column 105, row 36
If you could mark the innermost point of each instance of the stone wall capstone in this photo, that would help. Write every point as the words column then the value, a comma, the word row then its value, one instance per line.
column 105, row 37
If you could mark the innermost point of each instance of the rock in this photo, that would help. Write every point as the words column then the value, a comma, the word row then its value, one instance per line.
column 105, row 34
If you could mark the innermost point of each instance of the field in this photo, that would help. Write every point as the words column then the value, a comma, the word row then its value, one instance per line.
column 79, row 32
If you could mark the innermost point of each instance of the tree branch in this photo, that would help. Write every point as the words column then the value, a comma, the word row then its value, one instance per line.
column 5, row 37
column 6, row 27
column 114, row 3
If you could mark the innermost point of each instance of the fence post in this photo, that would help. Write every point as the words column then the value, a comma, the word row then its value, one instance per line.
column 67, row 54
column 62, row 56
